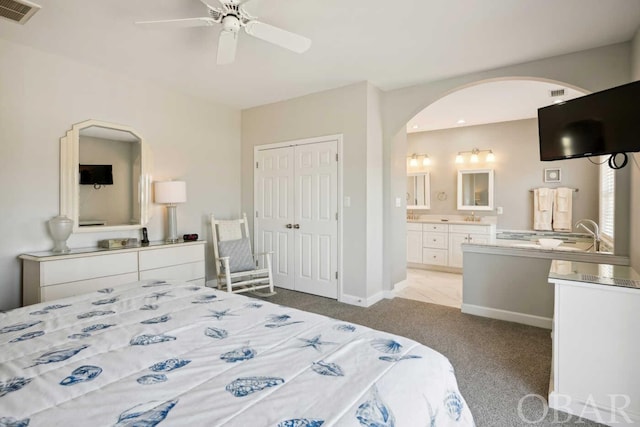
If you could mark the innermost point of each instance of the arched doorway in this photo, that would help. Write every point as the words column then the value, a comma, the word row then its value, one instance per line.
column 496, row 116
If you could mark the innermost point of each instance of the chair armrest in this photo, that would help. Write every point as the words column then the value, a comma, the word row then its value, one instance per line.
column 263, row 253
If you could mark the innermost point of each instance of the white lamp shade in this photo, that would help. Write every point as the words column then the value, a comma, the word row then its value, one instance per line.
column 170, row 192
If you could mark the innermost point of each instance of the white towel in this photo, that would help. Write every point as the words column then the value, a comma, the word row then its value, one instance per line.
column 562, row 211
column 545, row 199
column 542, row 208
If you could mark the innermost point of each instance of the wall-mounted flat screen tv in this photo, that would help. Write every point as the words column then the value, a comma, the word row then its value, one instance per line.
column 96, row 175
column 606, row 122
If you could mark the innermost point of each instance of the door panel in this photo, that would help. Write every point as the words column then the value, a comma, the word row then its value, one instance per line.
column 316, row 207
column 274, row 210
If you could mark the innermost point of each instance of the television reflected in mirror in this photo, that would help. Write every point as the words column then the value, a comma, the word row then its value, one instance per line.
column 96, row 175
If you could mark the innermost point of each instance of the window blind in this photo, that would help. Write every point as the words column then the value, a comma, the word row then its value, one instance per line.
column 607, row 200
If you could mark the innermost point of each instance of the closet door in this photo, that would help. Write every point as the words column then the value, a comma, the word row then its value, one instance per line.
column 296, row 202
column 316, row 222
column 274, row 218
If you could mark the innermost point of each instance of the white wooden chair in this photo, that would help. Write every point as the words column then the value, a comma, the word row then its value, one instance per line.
column 236, row 266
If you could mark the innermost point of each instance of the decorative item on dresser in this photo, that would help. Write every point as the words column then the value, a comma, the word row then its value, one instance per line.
column 60, row 228
column 170, row 193
column 48, row 275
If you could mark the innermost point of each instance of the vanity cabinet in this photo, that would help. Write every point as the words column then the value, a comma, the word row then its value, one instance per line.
column 441, row 244
column 47, row 276
column 462, row 233
column 435, row 243
column 414, row 243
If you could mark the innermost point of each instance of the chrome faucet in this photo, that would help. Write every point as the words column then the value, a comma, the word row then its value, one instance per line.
column 595, row 233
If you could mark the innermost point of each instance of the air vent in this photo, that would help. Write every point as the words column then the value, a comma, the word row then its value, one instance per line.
column 17, row 11
column 556, row 92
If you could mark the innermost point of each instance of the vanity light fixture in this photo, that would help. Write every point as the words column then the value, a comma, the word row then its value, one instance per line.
column 413, row 160
column 171, row 193
column 475, row 156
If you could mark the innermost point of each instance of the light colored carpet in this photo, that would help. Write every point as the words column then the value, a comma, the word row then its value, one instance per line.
column 497, row 363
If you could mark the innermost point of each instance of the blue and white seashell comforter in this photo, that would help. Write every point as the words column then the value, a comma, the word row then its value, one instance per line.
column 175, row 354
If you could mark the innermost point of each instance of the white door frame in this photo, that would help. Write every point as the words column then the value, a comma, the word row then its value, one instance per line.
column 314, row 140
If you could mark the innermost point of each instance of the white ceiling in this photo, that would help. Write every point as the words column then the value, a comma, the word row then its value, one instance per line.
column 391, row 44
column 492, row 102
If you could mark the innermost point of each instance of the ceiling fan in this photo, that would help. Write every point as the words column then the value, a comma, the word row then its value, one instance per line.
column 233, row 17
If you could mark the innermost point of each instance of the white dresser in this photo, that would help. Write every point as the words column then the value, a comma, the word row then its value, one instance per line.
column 47, row 276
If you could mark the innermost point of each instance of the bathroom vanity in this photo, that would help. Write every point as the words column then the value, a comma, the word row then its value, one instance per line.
column 437, row 242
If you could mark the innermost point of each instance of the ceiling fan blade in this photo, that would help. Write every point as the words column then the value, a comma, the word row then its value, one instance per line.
column 182, row 23
column 227, row 47
column 278, row 36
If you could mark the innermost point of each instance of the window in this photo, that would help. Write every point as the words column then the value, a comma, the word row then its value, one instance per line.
column 607, row 201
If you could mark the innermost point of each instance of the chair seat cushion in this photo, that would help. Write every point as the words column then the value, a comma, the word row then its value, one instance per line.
column 239, row 253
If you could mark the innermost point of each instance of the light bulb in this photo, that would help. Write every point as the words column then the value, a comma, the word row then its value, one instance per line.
column 491, row 157
column 474, row 158
column 459, row 159
column 413, row 162
column 426, row 161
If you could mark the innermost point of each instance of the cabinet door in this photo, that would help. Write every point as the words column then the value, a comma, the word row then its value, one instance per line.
column 414, row 246
column 480, row 239
column 455, row 248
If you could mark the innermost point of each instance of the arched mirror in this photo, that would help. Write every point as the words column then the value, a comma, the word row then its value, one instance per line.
column 104, row 177
column 475, row 189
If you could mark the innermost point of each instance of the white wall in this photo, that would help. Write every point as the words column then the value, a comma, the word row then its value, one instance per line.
column 375, row 217
column 338, row 111
column 635, row 172
column 589, row 70
column 42, row 95
column 517, row 170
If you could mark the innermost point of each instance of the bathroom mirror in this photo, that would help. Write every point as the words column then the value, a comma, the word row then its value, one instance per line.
column 475, row 189
column 104, row 177
column 418, row 191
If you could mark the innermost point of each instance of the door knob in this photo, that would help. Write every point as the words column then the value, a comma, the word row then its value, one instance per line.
column 289, row 226
column 296, row 226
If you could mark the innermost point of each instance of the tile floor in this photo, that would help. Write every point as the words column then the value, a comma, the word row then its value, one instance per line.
column 435, row 287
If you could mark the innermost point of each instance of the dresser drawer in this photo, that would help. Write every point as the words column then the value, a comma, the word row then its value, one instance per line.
column 479, row 229
column 434, row 256
column 90, row 267
column 64, row 290
column 442, row 228
column 435, row 240
column 189, row 271
column 172, row 255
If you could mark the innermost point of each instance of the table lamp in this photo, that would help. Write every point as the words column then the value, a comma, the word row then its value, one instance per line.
column 171, row 193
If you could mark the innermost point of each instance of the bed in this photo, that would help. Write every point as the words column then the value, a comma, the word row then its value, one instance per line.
column 171, row 353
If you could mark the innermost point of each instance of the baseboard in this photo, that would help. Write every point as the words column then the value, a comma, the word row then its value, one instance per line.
column 362, row 302
column 391, row 294
column 592, row 411
column 509, row 316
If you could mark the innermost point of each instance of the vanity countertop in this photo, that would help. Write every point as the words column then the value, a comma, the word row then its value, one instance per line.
column 453, row 219
column 441, row 221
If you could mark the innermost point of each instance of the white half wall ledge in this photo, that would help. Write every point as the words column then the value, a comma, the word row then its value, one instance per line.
column 361, row 301
column 509, row 316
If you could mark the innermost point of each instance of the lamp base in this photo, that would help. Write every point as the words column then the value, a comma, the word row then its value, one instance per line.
column 172, row 224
